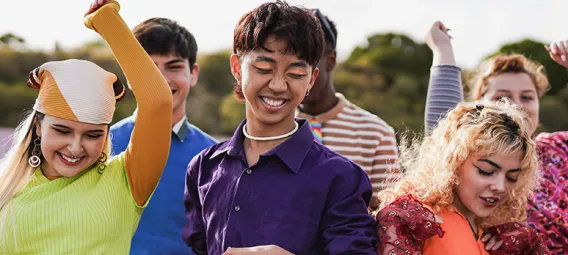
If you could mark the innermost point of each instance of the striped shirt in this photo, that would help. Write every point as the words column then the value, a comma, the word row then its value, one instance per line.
column 362, row 137
column 444, row 93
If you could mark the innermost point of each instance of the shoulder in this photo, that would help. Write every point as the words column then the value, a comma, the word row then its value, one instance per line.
column 362, row 119
column 208, row 139
column 332, row 163
column 126, row 124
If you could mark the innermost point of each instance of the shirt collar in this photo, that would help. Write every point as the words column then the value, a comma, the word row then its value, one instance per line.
column 329, row 115
column 292, row 152
column 180, row 129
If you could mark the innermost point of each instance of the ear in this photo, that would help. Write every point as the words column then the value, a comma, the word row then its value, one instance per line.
column 331, row 60
column 194, row 75
column 315, row 74
column 236, row 67
column 37, row 127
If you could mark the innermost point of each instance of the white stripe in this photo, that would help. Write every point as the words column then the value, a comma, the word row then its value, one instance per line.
column 359, row 111
column 371, row 159
column 359, row 125
column 337, row 139
column 340, row 149
column 352, row 133
column 382, row 185
column 371, row 118
column 386, row 175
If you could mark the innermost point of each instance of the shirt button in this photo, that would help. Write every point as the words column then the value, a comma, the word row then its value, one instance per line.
column 249, row 171
column 237, row 208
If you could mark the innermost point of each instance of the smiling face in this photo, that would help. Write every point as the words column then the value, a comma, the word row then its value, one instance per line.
column 180, row 78
column 484, row 183
column 273, row 83
column 519, row 89
column 69, row 147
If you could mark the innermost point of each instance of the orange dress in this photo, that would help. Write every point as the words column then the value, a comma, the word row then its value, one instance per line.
column 458, row 237
column 406, row 226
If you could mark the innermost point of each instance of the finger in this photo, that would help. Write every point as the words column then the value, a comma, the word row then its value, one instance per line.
column 547, row 48
column 491, row 243
column 498, row 245
column 100, row 2
column 553, row 48
column 485, row 238
column 564, row 50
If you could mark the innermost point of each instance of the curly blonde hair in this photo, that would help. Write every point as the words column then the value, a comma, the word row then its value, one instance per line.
column 504, row 63
column 432, row 165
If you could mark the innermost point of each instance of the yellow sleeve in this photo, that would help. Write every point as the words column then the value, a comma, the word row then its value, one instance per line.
column 147, row 152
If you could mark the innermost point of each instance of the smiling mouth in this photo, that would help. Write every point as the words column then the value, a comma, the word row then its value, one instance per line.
column 273, row 102
column 490, row 200
column 69, row 160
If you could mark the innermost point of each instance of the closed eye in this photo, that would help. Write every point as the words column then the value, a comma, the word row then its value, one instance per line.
column 482, row 172
column 61, row 131
column 263, row 71
column 297, row 76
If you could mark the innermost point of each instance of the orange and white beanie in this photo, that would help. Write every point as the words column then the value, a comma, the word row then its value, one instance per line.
column 77, row 90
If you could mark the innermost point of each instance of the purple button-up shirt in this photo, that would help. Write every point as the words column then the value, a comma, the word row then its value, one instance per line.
column 300, row 196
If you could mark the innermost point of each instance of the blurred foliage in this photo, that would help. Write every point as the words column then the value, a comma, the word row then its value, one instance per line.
column 388, row 77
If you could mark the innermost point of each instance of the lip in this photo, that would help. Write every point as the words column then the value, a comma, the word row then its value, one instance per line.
column 487, row 204
column 270, row 107
column 59, row 155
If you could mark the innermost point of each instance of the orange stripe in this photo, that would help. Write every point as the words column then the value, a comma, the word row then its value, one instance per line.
column 52, row 100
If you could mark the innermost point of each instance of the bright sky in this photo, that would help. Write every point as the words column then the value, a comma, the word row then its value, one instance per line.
column 479, row 27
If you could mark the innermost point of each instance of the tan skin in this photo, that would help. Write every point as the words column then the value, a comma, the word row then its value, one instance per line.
column 273, row 76
column 180, row 78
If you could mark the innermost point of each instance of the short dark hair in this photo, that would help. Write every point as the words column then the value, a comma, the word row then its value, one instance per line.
column 295, row 25
column 164, row 36
column 329, row 30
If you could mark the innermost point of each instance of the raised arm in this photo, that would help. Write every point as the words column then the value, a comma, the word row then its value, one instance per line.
column 147, row 152
column 445, row 89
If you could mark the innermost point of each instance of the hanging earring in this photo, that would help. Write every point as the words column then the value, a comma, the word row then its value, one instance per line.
column 102, row 160
column 35, row 159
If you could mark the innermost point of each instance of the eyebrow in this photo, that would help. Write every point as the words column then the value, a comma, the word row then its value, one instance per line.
column 90, row 131
column 265, row 59
column 175, row 61
column 508, row 91
column 497, row 165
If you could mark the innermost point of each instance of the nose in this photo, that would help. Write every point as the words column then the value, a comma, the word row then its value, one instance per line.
column 75, row 147
column 278, row 84
column 498, row 186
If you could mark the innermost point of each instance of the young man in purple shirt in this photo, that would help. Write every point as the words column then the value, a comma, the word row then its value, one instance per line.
column 270, row 188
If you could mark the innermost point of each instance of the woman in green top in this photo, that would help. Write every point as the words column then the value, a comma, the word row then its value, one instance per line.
column 59, row 192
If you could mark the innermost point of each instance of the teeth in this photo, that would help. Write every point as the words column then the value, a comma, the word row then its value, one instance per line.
column 273, row 102
column 490, row 200
column 71, row 160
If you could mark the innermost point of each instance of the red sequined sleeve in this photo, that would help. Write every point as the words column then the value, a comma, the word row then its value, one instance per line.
column 404, row 225
column 519, row 240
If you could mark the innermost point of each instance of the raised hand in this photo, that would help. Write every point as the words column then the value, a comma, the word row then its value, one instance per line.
column 440, row 42
column 559, row 52
column 95, row 5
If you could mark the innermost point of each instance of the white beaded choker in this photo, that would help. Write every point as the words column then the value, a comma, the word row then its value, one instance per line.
column 269, row 138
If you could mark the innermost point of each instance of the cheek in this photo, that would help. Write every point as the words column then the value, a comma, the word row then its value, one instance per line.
column 94, row 148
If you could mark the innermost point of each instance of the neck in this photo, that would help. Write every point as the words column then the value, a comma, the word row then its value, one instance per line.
column 470, row 217
column 326, row 102
column 49, row 172
column 178, row 114
column 259, row 129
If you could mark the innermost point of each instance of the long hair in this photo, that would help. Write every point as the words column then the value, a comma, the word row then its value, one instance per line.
column 432, row 165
